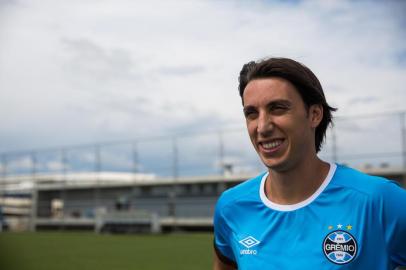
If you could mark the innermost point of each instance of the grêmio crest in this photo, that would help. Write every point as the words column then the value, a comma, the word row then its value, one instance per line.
column 340, row 247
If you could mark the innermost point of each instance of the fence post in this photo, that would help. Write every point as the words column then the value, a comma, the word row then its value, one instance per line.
column 97, row 169
column 4, row 165
column 3, row 185
column 135, row 170
column 135, row 157
column 221, row 153
column 64, row 160
column 34, row 192
column 175, row 164
column 334, row 144
column 403, row 143
column 175, row 174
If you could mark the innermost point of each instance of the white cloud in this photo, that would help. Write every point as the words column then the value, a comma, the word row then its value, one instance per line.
column 85, row 71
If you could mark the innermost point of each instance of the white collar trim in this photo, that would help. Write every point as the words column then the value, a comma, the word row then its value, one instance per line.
column 292, row 207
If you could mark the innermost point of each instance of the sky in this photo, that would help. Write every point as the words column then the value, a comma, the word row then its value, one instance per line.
column 77, row 72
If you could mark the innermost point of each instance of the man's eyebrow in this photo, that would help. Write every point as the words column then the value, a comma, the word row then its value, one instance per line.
column 248, row 107
column 283, row 102
column 277, row 102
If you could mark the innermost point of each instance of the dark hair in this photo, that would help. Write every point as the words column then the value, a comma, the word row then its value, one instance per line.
column 301, row 77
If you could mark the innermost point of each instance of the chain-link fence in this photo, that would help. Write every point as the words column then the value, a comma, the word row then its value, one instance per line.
column 360, row 141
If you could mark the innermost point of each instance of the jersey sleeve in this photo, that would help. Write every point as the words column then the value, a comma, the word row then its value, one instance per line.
column 222, row 235
column 394, row 218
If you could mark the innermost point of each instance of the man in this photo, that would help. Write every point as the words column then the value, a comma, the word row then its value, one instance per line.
column 303, row 213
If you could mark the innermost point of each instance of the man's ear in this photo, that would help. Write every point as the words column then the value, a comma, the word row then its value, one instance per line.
column 315, row 114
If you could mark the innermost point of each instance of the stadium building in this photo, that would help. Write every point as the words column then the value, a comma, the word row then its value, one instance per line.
column 121, row 202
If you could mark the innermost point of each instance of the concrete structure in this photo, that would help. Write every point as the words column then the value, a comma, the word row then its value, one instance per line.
column 183, row 203
column 121, row 201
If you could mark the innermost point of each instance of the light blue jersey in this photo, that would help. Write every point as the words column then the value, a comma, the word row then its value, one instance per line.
column 353, row 221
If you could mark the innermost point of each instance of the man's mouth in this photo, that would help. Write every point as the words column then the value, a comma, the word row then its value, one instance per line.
column 272, row 144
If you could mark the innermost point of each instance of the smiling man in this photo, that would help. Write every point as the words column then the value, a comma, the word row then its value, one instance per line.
column 303, row 213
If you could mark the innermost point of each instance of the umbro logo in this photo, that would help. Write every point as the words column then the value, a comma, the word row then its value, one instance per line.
column 249, row 242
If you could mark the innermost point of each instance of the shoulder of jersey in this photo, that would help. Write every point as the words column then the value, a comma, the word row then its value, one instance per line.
column 358, row 181
column 246, row 190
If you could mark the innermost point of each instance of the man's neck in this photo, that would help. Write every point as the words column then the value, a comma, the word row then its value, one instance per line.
column 296, row 185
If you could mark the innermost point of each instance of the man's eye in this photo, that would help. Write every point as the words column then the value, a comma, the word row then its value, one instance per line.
column 279, row 108
column 249, row 114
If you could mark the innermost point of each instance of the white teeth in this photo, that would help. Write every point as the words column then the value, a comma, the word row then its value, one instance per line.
column 272, row 144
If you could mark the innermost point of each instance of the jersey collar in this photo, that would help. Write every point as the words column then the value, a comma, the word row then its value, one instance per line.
column 292, row 207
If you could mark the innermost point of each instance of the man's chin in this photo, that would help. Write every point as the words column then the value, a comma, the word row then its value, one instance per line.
column 276, row 165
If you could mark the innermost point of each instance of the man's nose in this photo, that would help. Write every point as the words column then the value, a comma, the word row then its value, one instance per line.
column 265, row 124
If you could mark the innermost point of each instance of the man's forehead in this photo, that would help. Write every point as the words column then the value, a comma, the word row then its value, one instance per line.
column 267, row 89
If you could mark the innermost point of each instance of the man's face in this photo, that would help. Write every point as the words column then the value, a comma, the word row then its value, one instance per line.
column 280, row 126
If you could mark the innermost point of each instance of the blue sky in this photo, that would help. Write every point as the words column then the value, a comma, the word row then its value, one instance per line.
column 75, row 72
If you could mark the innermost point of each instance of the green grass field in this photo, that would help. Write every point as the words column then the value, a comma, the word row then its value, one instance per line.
column 88, row 251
